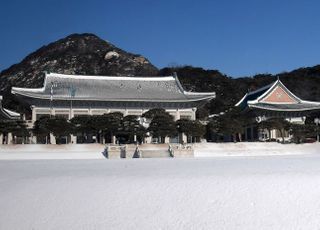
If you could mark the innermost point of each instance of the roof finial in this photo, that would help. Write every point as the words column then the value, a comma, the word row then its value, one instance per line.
column 175, row 74
column 278, row 78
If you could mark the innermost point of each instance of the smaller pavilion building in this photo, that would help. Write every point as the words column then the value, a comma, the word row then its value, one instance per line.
column 275, row 100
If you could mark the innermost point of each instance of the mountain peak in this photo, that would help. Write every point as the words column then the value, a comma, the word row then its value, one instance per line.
column 84, row 54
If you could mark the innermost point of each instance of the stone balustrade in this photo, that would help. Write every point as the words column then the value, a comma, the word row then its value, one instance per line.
column 115, row 151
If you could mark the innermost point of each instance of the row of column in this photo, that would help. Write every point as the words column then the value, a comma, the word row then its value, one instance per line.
column 148, row 140
column 125, row 113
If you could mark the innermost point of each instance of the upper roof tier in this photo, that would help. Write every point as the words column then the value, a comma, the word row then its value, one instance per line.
column 112, row 88
column 276, row 97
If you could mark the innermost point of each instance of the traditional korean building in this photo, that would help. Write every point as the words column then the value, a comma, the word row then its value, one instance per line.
column 75, row 95
column 275, row 100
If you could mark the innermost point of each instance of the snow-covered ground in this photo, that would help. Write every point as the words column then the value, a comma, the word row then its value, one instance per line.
column 93, row 151
column 253, row 149
column 31, row 152
column 261, row 192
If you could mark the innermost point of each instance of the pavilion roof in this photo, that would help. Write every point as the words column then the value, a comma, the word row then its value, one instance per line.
column 112, row 88
column 276, row 97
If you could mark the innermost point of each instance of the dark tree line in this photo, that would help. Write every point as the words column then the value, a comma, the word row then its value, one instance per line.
column 161, row 125
column 128, row 128
column 234, row 122
column 17, row 128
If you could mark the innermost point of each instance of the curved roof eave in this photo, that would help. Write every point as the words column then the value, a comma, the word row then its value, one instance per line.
column 283, row 109
column 210, row 97
column 9, row 114
column 242, row 99
column 254, row 92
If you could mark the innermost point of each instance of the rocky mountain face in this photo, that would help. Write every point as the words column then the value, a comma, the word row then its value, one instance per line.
column 84, row 54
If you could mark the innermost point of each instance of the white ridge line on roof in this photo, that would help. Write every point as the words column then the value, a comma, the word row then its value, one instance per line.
column 254, row 92
column 273, row 88
column 86, row 77
column 310, row 102
column 261, row 89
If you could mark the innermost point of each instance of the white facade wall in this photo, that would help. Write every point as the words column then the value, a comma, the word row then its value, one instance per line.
column 70, row 113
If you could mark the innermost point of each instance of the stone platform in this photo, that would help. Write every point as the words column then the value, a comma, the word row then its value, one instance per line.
column 148, row 151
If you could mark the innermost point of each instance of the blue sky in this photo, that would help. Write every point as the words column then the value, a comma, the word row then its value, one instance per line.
column 239, row 37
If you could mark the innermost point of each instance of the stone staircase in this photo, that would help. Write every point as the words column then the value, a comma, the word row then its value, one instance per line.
column 155, row 153
column 148, row 151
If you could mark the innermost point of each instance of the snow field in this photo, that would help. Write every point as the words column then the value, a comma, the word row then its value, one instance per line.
column 273, row 192
column 38, row 151
column 253, row 149
column 93, row 151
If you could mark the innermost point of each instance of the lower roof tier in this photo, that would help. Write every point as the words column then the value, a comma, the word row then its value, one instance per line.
column 287, row 107
column 108, row 104
column 281, row 113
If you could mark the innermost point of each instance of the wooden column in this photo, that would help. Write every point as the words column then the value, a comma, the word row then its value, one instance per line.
column 9, row 139
column 113, row 140
column 177, row 116
column 52, row 139
column 183, row 139
column 34, row 114
column 73, row 139
column 193, row 116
